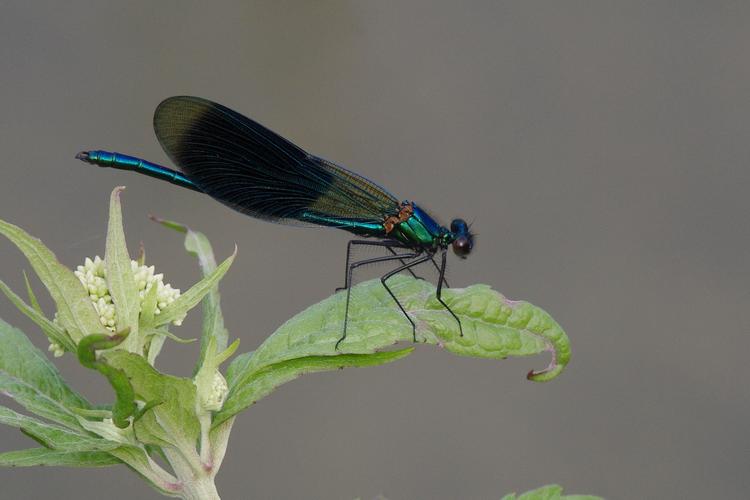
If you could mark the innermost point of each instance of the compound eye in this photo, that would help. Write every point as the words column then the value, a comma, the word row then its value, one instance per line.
column 462, row 246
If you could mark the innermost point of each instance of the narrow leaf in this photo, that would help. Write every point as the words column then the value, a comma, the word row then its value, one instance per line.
column 45, row 456
column 154, row 348
column 124, row 406
column 197, row 245
column 52, row 436
column 190, row 298
column 120, row 280
column 149, row 306
column 32, row 296
column 163, row 332
column 53, row 332
column 74, row 308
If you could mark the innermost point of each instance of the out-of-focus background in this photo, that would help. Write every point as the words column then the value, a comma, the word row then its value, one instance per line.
column 601, row 149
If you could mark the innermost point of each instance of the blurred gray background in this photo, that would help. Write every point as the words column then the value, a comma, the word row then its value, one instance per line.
column 601, row 149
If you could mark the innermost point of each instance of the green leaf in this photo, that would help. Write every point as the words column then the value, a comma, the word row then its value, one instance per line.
column 195, row 294
column 198, row 245
column 549, row 492
column 28, row 376
column 32, row 296
column 149, row 306
column 75, row 311
column 45, row 456
column 125, row 405
column 53, row 332
column 139, row 461
column 493, row 327
column 120, row 280
column 154, row 348
column 260, row 383
column 163, row 332
column 172, row 422
column 52, row 436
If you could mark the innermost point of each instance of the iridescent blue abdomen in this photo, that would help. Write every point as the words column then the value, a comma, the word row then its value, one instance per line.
column 125, row 162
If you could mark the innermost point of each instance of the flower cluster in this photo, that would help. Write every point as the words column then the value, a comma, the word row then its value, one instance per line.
column 93, row 276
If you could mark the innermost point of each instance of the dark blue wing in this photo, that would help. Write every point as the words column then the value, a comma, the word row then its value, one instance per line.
column 255, row 171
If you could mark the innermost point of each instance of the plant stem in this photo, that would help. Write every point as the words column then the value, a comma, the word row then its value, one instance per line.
column 196, row 481
column 200, row 488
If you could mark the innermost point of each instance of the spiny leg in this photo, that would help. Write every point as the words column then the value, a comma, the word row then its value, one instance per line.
column 441, row 279
column 383, row 243
column 355, row 265
column 383, row 280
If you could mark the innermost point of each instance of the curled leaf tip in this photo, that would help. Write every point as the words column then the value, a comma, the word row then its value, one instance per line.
column 551, row 371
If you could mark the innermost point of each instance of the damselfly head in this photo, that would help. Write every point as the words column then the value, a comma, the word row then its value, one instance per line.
column 464, row 241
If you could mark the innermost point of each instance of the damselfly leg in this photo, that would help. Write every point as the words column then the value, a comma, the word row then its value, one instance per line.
column 384, row 280
column 441, row 280
column 405, row 266
column 365, row 262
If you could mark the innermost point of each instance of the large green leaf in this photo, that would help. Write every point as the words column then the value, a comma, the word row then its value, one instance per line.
column 262, row 382
column 74, row 308
column 28, row 376
column 120, row 280
column 493, row 327
column 45, row 456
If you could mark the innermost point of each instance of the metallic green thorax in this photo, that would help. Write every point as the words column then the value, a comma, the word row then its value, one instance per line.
column 421, row 230
column 418, row 231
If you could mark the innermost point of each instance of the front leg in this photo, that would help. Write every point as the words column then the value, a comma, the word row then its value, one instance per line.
column 441, row 280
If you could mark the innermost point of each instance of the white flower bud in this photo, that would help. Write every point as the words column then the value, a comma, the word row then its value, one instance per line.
column 56, row 350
